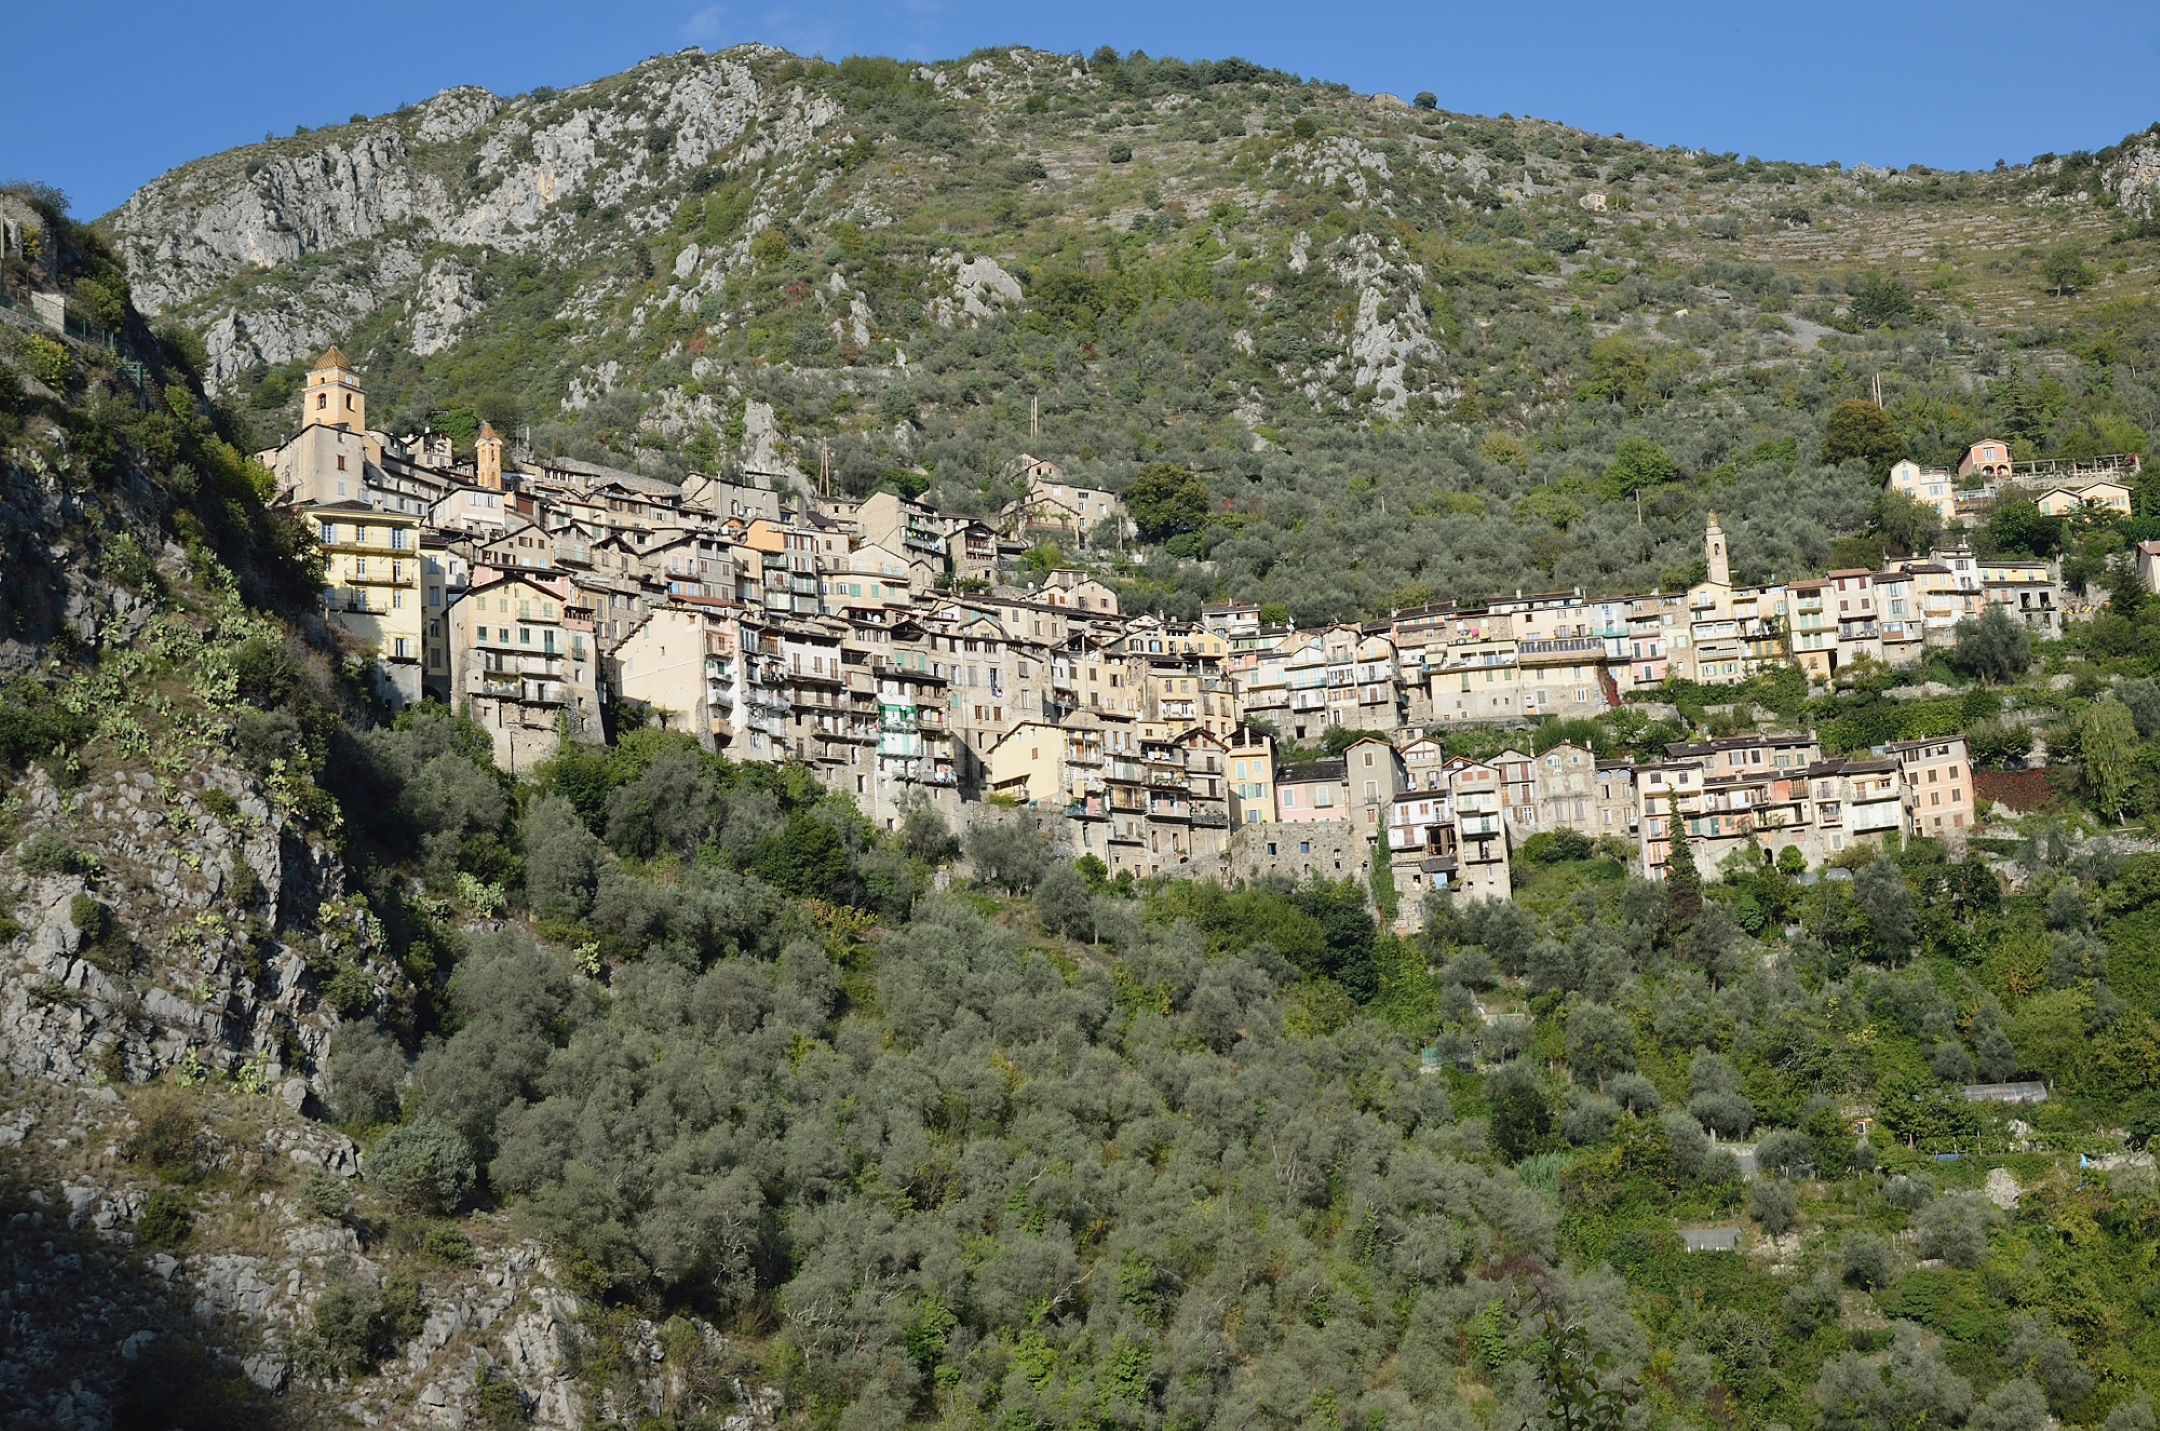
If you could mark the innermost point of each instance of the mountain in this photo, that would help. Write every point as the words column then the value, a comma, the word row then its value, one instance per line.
column 347, row 1080
column 1399, row 346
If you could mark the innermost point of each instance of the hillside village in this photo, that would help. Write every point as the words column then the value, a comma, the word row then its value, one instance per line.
column 983, row 948
column 886, row 646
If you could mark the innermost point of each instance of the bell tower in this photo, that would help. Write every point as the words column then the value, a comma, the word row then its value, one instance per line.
column 487, row 458
column 334, row 395
column 1714, row 553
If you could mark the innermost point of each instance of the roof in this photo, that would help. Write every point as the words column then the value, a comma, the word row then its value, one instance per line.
column 487, row 429
column 1311, row 770
column 2006, row 1092
column 334, row 357
column 1710, row 1239
column 1923, row 744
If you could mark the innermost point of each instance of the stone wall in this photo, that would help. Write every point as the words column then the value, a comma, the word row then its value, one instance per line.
column 1333, row 850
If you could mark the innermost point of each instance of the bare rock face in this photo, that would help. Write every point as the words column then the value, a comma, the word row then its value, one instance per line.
column 211, row 957
column 448, row 299
column 2134, row 179
column 1389, row 355
column 454, row 114
column 196, row 227
column 465, row 169
column 977, row 288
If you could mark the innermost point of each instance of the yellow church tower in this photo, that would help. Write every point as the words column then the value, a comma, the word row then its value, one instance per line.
column 487, row 458
column 1714, row 553
column 334, row 395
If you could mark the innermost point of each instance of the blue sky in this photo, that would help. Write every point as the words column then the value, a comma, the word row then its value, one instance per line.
column 100, row 96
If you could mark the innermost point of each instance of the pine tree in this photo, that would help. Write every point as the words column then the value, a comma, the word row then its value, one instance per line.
column 1683, row 882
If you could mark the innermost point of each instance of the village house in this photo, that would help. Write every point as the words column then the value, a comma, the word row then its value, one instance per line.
column 373, row 590
column 524, row 666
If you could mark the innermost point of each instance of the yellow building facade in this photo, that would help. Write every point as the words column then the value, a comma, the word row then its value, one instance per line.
column 372, row 589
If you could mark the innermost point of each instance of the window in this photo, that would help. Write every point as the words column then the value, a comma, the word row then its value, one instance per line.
column 328, row 534
column 322, row 400
column 341, row 463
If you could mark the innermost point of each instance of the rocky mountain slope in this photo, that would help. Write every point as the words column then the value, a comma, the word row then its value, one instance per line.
column 185, row 923
column 1348, row 314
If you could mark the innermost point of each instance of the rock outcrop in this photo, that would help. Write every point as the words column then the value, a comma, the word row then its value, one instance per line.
column 2133, row 177
column 366, row 203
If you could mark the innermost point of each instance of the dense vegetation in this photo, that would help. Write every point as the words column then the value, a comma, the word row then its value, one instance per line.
column 1053, row 1149
column 1401, row 358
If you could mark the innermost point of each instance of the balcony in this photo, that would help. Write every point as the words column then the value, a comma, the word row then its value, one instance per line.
column 513, row 664
column 1562, row 646
column 508, row 687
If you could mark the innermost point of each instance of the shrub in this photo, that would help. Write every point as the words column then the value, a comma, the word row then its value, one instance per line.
column 497, row 1404
column 423, row 1167
column 1785, row 1151
column 167, row 1136
column 1773, row 1205
column 349, row 990
column 1121, row 153
column 1865, row 1261
column 1635, row 1093
column 1812, row 1306
column 326, row 1195
column 1954, row 1229
column 1012, row 854
column 1908, row 1194
column 165, row 1220
column 50, row 363
column 34, row 725
column 92, row 920
column 367, row 1070
column 356, row 1325
column 45, row 855
column 264, row 672
column 449, row 1246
